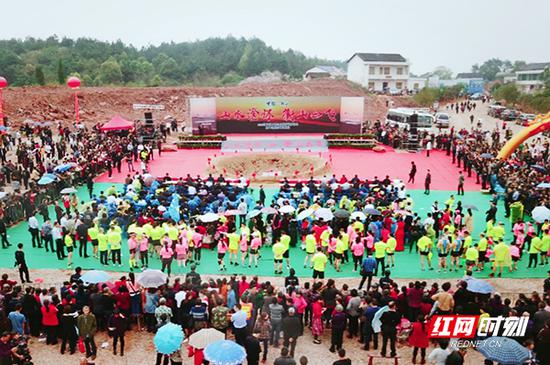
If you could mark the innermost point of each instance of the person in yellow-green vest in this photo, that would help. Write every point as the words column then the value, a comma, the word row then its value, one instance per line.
column 380, row 248
column 103, row 247
column 278, row 252
column 391, row 244
column 285, row 240
column 114, row 238
column 311, row 245
column 156, row 235
column 93, row 231
column 69, row 244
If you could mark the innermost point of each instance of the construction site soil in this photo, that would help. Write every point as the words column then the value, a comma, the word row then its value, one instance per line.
column 99, row 104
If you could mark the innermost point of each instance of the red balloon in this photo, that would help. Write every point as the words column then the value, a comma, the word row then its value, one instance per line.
column 73, row 82
column 3, row 82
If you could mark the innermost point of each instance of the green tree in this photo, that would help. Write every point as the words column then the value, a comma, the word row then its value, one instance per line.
column 60, row 72
column 231, row 78
column 427, row 96
column 110, row 72
column 39, row 75
column 508, row 92
column 443, row 72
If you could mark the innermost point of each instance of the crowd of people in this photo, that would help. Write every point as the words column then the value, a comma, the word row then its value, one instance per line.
column 261, row 316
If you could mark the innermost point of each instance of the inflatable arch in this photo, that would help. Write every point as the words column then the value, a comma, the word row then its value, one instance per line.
column 540, row 124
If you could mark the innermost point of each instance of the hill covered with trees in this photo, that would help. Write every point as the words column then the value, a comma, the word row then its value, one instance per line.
column 214, row 61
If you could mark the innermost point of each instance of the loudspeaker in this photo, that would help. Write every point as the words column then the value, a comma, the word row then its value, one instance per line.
column 148, row 118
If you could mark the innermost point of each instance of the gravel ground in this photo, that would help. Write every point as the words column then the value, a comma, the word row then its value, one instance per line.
column 140, row 350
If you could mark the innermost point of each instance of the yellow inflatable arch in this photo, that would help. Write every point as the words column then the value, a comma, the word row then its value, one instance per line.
column 540, row 124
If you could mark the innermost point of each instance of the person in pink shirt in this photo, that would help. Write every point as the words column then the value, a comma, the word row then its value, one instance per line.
column 132, row 247
column 357, row 249
column 144, row 251
column 166, row 241
column 331, row 247
column 352, row 233
column 243, row 285
column 166, row 255
column 222, row 249
column 368, row 241
column 530, row 234
column 300, row 303
column 181, row 253
column 515, row 253
column 255, row 245
column 197, row 243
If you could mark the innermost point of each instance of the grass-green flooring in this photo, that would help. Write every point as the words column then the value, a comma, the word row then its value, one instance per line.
column 407, row 264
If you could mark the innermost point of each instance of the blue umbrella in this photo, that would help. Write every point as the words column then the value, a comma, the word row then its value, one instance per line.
column 543, row 186
column 65, row 167
column 479, row 286
column 503, row 350
column 95, row 276
column 224, row 352
column 47, row 179
column 486, row 155
column 538, row 168
column 168, row 338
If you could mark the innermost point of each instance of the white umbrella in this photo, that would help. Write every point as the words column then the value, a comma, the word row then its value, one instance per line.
column 205, row 337
column 269, row 210
column 359, row 215
column 151, row 278
column 253, row 213
column 287, row 209
column 304, row 214
column 324, row 213
column 209, row 217
column 68, row 191
column 540, row 214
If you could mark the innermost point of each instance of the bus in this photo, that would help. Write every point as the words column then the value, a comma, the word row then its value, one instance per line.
column 399, row 117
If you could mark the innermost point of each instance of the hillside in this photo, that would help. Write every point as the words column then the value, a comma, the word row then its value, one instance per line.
column 99, row 104
column 214, row 61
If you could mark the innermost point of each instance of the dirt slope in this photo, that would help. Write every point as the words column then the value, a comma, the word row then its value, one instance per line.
column 99, row 104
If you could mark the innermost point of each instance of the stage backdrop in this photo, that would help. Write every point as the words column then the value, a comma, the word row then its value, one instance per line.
column 318, row 114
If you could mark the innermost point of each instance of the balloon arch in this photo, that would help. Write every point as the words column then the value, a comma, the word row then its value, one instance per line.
column 539, row 125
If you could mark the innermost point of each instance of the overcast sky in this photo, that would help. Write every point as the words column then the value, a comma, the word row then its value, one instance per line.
column 428, row 33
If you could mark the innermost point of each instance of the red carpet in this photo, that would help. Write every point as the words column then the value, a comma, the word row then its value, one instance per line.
column 349, row 162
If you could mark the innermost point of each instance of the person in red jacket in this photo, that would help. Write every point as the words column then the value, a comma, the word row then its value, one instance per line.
column 419, row 339
column 50, row 322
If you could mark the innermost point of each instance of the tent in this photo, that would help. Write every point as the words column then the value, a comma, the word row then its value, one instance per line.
column 117, row 124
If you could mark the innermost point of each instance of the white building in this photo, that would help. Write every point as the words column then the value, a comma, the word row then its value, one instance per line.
column 529, row 77
column 379, row 71
column 320, row 72
column 416, row 83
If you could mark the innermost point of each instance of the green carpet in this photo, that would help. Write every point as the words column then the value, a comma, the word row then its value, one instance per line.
column 407, row 264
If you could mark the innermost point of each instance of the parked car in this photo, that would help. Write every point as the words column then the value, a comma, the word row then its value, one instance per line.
column 476, row 96
column 509, row 114
column 442, row 120
column 524, row 119
column 495, row 110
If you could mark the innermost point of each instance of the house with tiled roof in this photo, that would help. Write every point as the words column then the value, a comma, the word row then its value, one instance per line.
column 379, row 71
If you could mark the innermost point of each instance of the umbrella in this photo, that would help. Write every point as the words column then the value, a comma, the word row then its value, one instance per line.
column 486, row 155
column 342, row 214
column 168, row 338
column 538, row 168
column 479, row 286
column 47, row 179
column 540, row 214
column 470, row 206
column 269, row 210
column 253, row 213
column 152, row 278
column 503, row 350
column 287, row 209
column 359, row 215
column 65, row 167
column 224, row 352
column 231, row 212
column 372, row 211
column 304, row 214
column 209, row 217
column 205, row 337
column 324, row 213
column 95, row 276
column 68, row 191
column 543, row 186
